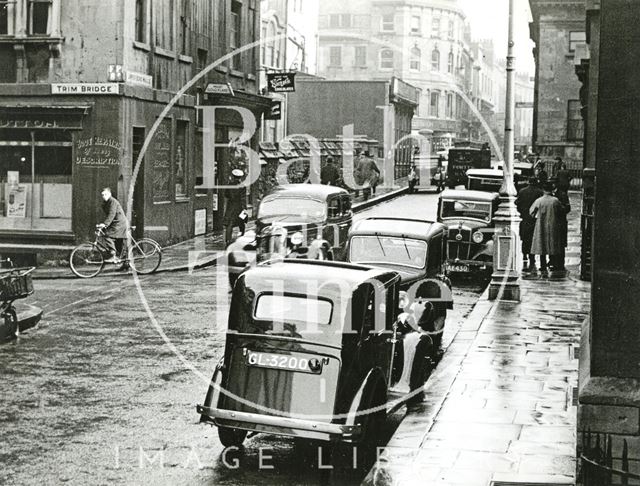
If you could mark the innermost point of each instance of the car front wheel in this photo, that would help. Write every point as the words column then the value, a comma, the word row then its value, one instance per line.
column 231, row 437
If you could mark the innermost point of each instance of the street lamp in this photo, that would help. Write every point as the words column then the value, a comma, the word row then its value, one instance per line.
column 505, row 280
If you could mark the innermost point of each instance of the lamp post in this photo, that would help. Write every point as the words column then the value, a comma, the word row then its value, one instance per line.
column 505, row 284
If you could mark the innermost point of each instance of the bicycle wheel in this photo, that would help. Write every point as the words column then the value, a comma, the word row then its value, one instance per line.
column 145, row 256
column 86, row 260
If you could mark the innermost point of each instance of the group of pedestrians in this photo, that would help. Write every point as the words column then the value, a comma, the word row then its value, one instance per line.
column 543, row 206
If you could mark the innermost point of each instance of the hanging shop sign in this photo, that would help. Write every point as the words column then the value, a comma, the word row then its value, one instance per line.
column 281, row 82
column 275, row 111
column 219, row 88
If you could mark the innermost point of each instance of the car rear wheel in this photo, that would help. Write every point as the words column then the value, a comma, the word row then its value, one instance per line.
column 230, row 437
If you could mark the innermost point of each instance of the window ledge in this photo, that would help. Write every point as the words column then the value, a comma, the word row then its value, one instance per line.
column 251, row 76
column 185, row 58
column 165, row 53
column 237, row 74
column 182, row 199
column 30, row 39
column 161, row 203
column 143, row 46
column 222, row 69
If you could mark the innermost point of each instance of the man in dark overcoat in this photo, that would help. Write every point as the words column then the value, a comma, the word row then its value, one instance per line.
column 114, row 226
column 235, row 207
column 524, row 201
column 548, row 232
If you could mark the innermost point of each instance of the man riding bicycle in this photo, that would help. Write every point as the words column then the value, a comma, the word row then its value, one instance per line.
column 114, row 227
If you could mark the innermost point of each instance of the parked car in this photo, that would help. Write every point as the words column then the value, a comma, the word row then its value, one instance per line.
column 414, row 248
column 468, row 216
column 325, row 358
column 490, row 180
column 295, row 220
column 463, row 159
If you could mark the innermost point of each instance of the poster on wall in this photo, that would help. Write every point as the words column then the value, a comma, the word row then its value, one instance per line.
column 214, row 203
column 160, row 159
column 200, row 226
column 16, row 201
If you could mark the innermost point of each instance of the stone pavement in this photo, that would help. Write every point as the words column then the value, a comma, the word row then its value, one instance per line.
column 203, row 251
column 501, row 404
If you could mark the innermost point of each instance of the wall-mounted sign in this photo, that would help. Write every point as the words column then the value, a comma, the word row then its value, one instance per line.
column 131, row 77
column 200, row 223
column 214, row 202
column 524, row 104
column 275, row 111
column 85, row 88
column 115, row 74
column 281, row 82
column 98, row 152
column 219, row 88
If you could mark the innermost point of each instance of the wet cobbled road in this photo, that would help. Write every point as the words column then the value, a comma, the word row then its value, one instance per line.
column 100, row 394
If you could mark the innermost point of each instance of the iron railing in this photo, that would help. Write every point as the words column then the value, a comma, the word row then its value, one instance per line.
column 596, row 463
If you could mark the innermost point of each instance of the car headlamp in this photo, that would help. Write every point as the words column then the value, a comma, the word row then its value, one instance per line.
column 477, row 237
column 297, row 238
column 403, row 300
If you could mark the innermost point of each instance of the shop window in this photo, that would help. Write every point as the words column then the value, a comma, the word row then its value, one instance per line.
column 39, row 15
column 386, row 59
column 141, row 21
column 181, row 159
column 35, row 180
column 361, row 56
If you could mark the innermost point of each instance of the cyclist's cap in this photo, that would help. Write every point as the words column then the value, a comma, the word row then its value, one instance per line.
column 237, row 173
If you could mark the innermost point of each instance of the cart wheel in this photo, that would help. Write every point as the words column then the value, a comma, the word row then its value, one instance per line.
column 231, row 437
column 11, row 321
column 86, row 260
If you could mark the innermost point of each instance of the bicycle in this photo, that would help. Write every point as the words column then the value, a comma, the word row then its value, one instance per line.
column 87, row 259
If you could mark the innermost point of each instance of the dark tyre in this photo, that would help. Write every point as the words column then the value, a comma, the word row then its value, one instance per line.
column 145, row 256
column 11, row 322
column 231, row 437
column 86, row 260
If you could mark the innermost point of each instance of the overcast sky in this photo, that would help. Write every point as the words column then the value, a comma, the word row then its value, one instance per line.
column 489, row 19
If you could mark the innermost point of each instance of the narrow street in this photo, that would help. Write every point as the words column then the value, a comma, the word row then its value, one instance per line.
column 100, row 395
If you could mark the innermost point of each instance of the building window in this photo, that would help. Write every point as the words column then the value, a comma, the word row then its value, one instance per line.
column 414, row 64
column 386, row 59
column 236, row 33
column 415, row 24
column 141, row 21
column 450, row 30
column 449, row 110
column 575, row 39
column 361, row 56
column 270, row 44
column 335, row 56
column 39, row 15
column 575, row 123
column 435, row 60
column 340, row 21
column 181, row 157
column 163, row 23
column 184, row 26
column 450, row 63
column 6, row 10
column 388, row 23
column 202, row 59
column 435, row 27
column 434, row 104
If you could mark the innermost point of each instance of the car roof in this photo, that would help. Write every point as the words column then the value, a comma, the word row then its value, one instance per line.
column 469, row 195
column 314, row 191
column 293, row 276
column 411, row 228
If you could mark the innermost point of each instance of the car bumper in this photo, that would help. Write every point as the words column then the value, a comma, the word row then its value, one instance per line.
column 278, row 425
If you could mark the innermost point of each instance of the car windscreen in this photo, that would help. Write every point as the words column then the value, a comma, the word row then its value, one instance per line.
column 292, row 209
column 466, row 209
column 391, row 250
column 293, row 309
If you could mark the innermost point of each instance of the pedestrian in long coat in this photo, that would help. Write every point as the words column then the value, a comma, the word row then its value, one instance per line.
column 524, row 201
column 548, row 232
column 235, row 207
column 563, row 197
column 114, row 226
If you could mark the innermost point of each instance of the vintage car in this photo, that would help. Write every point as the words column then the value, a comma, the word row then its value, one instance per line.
column 414, row 248
column 295, row 220
column 490, row 180
column 324, row 355
column 468, row 216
